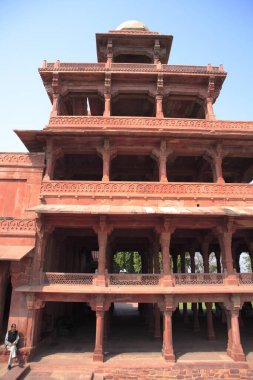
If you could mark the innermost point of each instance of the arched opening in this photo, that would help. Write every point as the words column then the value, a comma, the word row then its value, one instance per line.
column 183, row 107
column 81, row 104
column 79, row 167
column 189, row 169
column 134, row 168
column 131, row 58
column 71, row 251
column 133, row 105
column 71, row 326
column 127, row 262
column 5, row 307
column 237, row 169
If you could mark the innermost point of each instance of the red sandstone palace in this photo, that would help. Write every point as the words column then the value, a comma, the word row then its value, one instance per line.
column 133, row 159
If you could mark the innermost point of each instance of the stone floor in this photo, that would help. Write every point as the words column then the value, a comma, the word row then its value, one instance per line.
column 131, row 345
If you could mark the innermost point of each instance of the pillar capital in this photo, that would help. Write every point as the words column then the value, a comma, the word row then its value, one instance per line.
column 34, row 303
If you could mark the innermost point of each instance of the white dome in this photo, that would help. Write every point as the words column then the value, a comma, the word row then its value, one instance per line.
column 132, row 24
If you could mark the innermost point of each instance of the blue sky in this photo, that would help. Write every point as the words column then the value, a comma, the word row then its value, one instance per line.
column 217, row 31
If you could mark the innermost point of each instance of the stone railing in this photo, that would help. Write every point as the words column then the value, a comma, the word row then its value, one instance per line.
column 53, row 278
column 129, row 67
column 199, row 278
column 245, row 278
column 125, row 279
column 150, row 123
column 146, row 189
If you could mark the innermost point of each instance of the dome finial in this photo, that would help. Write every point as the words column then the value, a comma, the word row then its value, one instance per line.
column 132, row 24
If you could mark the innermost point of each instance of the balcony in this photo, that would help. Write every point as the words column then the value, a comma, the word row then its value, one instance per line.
column 207, row 194
column 132, row 280
column 129, row 67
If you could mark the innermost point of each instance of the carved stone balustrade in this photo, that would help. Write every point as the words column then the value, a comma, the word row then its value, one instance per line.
column 147, row 124
column 52, row 191
column 53, row 278
column 129, row 67
column 245, row 278
column 126, row 279
column 199, row 278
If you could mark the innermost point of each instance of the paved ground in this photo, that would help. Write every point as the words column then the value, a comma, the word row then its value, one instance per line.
column 130, row 345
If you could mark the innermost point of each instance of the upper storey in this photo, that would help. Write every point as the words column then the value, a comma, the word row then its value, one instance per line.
column 132, row 42
column 132, row 78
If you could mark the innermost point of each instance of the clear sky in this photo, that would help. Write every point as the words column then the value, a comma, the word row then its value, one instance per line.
column 217, row 31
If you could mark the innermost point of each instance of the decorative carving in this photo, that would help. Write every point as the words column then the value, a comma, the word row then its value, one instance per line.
column 131, row 67
column 199, row 278
column 33, row 303
column 200, row 190
column 124, row 279
column 21, row 159
column 7, row 225
column 50, row 278
column 151, row 122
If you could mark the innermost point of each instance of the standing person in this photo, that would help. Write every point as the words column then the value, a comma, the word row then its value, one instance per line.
column 11, row 341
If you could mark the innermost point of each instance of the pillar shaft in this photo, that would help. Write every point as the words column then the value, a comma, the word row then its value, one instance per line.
column 159, row 106
column 106, row 165
column 107, row 110
column 102, row 242
column 98, row 354
column 165, row 243
column 209, row 316
column 168, row 352
column 236, row 348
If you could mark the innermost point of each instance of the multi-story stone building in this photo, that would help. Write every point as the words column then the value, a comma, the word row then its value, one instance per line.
column 132, row 160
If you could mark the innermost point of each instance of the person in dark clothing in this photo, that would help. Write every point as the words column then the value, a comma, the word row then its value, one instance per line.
column 11, row 341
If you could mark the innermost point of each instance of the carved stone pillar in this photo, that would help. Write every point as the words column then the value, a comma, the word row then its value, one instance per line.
column 100, row 306
column 234, row 341
column 205, row 253
column 157, row 322
column 156, row 257
column 102, row 242
column 55, row 105
column 159, row 106
column 50, row 160
column 168, row 351
column 210, row 115
column 98, row 354
column 106, row 161
column 218, row 168
column 217, row 256
column 33, row 305
column 230, row 339
column 174, row 259
column 196, row 326
column 41, row 241
column 165, row 237
column 209, row 316
column 225, row 235
column 107, row 110
column 103, row 231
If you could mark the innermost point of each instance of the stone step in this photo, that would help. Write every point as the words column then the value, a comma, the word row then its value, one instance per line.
column 16, row 373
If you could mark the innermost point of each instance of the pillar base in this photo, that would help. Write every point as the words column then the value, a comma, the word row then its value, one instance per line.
column 237, row 354
column 98, row 357
column 169, row 356
column 167, row 280
column 100, row 280
column 211, row 337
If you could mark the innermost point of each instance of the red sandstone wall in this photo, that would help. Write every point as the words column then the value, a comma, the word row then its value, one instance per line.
column 20, row 181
